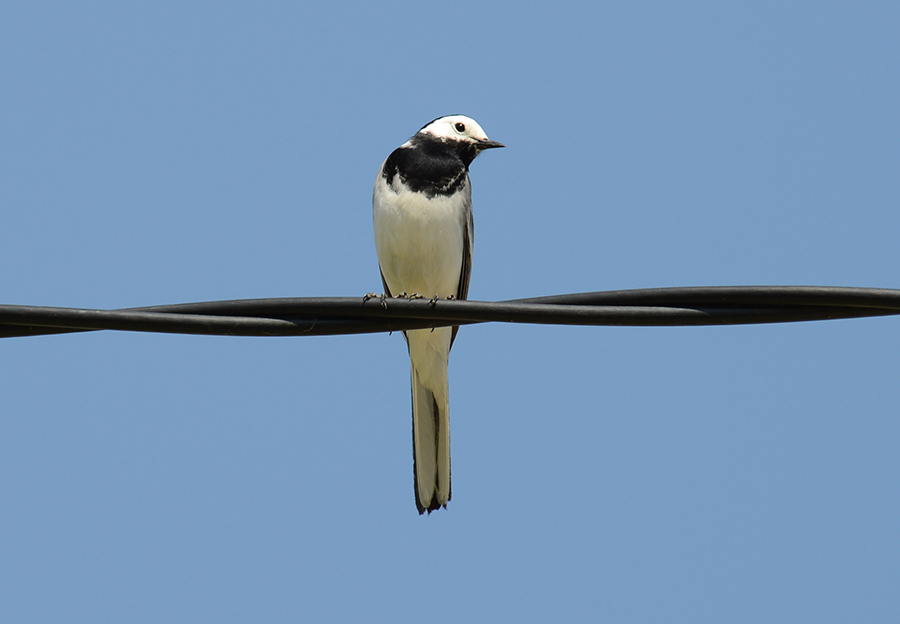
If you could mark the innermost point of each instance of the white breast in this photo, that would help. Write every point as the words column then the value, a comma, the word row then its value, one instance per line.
column 419, row 241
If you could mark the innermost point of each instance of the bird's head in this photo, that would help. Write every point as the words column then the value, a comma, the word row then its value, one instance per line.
column 462, row 129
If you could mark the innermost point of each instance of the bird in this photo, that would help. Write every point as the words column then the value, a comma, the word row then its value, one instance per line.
column 422, row 212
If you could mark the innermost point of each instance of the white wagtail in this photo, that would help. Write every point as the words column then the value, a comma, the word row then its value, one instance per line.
column 423, row 235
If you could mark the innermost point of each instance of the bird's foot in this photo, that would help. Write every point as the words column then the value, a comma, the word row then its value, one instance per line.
column 381, row 298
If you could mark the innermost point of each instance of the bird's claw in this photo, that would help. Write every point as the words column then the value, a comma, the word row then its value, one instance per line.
column 381, row 298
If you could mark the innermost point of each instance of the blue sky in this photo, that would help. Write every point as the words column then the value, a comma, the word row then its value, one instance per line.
column 170, row 152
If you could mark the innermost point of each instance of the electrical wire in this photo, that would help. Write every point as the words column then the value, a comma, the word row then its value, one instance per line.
column 325, row 316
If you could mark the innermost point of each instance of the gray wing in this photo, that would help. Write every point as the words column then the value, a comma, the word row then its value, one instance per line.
column 462, row 292
column 387, row 291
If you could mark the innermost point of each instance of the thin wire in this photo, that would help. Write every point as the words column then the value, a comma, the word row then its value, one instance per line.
column 309, row 316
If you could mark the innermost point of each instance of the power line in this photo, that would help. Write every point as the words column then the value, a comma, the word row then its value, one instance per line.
column 323, row 316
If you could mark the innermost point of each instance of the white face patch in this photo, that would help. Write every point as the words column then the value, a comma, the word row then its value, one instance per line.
column 457, row 127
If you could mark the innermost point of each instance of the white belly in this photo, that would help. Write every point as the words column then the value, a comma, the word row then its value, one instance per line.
column 419, row 241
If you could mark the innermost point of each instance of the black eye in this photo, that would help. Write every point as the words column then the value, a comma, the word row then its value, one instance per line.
column 460, row 126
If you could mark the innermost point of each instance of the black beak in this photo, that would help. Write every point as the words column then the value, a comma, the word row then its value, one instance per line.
column 484, row 144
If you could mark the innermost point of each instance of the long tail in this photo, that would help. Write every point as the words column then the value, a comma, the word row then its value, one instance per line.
column 428, row 353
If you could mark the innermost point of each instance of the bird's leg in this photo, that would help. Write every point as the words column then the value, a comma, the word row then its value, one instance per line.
column 381, row 298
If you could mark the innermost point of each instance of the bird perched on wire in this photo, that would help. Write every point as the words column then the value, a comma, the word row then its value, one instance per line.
column 422, row 207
